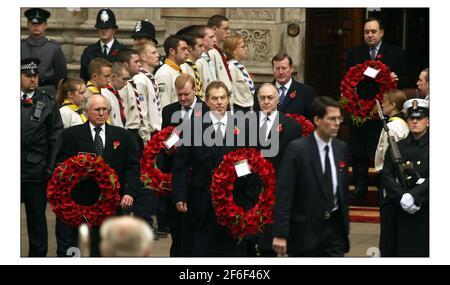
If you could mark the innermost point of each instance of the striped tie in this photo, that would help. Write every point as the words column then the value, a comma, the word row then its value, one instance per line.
column 138, row 102
column 198, row 81
column 119, row 100
column 247, row 77
column 282, row 94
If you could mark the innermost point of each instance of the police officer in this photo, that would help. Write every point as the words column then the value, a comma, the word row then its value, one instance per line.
column 107, row 46
column 41, row 127
column 53, row 63
column 410, row 234
column 144, row 31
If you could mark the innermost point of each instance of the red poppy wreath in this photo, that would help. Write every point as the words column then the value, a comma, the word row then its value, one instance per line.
column 70, row 173
column 228, row 213
column 152, row 177
column 359, row 109
column 307, row 125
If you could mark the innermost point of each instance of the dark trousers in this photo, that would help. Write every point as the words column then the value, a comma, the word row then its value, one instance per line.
column 388, row 229
column 332, row 239
column 67, row 238
column 175, row 223
column 35, row 199
column 360, row 167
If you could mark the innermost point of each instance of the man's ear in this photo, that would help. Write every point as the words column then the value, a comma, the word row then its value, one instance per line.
column 316, row 120
column 172, row 51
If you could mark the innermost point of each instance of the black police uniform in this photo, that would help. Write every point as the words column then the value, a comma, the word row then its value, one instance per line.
column 53, row 65
column 41, row 127
column 105, row 20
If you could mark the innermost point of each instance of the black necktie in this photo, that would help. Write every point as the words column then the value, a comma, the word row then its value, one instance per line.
column 98, row 141
column 186, row 113
column 263, row 130
column 219, row 135
column 105, row 49
column 328, row 180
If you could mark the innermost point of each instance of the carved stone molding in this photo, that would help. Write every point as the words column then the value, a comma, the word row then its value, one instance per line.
column 252, row 14
column 258, row 42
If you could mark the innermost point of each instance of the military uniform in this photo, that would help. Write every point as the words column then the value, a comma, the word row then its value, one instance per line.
column 53, row 65
column 406, row 232
column 105, row 20
column 41, row 127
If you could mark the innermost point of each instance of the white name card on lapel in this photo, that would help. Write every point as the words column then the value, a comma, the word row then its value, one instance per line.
column 371, row 72
column 242, row 168
column 171, row 140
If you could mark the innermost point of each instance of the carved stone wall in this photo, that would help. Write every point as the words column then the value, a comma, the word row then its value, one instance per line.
column 264, row 29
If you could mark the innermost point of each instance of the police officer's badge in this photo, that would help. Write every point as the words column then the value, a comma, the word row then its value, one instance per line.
column 138, row 27
column 104, row 16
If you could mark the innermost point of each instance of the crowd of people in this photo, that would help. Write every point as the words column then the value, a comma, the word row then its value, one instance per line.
column 128, row 94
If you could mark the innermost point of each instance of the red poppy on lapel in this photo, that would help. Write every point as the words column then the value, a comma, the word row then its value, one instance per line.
column 379, row 56
column 198, row 114
column 116, row 144
column 279, row 128
column 236, row 131
column 27, row 101
column 293, row 94
column 114, row 52
column 341, row 165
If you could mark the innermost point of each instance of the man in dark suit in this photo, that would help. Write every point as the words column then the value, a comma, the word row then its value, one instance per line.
column 192, row 167
column 40, row 132
column 363, row 139
column 117, row 148
column 311, row 211
column 294, row 97
column 175, row 114
column 107, row 46
column 273, row 125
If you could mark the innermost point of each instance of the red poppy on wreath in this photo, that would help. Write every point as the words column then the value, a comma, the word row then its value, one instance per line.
column 152, row 177
column 279, row 128
column 228, row 213
column 27, row 101
column 116, row 144
column 236, row 131
column 293, row 94
column 68, row 174
column 359, row 109
column 307, row 126
column 114, row 52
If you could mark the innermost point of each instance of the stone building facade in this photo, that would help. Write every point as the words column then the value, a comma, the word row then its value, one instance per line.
column 266, row 30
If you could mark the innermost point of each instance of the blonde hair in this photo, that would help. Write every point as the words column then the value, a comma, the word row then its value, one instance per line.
column 230, row 44
column 397, row 97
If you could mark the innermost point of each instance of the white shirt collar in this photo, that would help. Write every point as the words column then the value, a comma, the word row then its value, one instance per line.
column 321, row 143
column 108, row 44
column 29, row 94
column 93, row 127
column 263, row 115
column 287, row 85
column 377, row 48
column 214, row 120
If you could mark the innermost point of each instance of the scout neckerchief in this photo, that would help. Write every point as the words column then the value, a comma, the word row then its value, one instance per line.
column 75, row 108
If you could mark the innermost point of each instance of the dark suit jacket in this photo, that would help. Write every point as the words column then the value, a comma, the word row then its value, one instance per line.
column 123, row 159
column 300, row 103
column 192, row 167
column 170, row 109
column 390, row 55
column 291, row 130
column 93, row 51
column 301, row 202
column 363, row 140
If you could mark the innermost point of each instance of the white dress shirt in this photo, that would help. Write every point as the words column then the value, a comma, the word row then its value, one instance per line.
column 183, row 110
column 214, row 121
column 108, row 45
column 102, row 133
column 262, row 119
column 321, row 145
column 287, row 85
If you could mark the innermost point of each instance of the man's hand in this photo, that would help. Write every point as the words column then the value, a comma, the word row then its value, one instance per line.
column 394, row 76
column 279, row 245
column 182, row 207
column 127, row 201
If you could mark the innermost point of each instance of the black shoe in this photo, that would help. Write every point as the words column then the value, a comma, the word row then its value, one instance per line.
column 160, row 234
column 359, row 193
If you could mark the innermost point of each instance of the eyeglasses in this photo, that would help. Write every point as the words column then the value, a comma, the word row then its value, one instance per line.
column 264, row 98
column 334, row 119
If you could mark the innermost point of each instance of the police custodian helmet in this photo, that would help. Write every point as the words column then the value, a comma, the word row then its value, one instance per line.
column 37, row 15
column 144, row 29
column 106, row 19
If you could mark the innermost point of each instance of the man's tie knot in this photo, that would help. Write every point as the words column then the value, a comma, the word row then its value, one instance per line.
column 97, row 130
